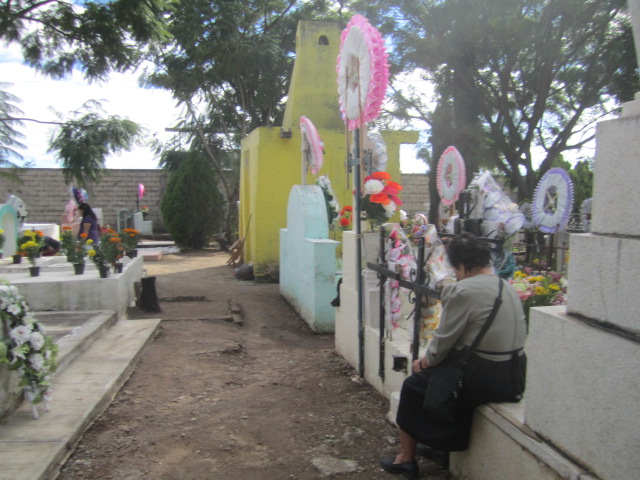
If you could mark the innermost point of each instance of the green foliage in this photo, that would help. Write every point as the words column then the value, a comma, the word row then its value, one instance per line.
column 83, row 143
column 582, row 178
column 511, row 77
column 97, row 36
column 9, row 135
column 192, row 206
column 234, row 56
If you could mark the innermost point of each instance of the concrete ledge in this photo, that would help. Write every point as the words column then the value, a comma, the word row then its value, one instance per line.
column 61, row 290
column 605, row 261
column 581, row 386
column 36, row 449
column 502, row 448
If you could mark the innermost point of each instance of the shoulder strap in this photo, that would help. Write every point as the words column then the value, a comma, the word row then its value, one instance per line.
column 487, row 324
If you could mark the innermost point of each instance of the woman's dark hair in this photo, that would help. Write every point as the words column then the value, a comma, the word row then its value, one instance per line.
column 465, row 249
column 87, row 210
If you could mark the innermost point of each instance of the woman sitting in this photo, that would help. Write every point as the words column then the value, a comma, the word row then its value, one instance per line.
column 494, row 373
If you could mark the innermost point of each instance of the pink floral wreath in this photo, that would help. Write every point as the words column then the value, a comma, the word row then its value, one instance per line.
column 311, row 141
column 363, row 72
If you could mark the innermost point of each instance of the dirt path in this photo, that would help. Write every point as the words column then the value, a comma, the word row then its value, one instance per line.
column 267, row 400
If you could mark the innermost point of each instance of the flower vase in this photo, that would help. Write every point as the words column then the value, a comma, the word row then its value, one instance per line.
column 78, row 268
column 34, row 271
column 104, row 272
column 132, row 253
column 117, row 268
column 17, row 259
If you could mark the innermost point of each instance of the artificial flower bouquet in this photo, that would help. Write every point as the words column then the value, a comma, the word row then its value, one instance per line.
column 539, row 290
column 345, row 218
column 379, row 198
column 25, row 347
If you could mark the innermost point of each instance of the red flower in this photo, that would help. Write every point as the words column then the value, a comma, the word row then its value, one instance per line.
column 344, row 222
column 392, row 184
column 382, row 198
column 381, row 176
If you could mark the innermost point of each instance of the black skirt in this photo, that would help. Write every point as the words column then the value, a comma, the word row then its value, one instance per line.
column 484, row 381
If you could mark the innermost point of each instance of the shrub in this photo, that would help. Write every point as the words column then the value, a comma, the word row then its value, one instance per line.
column 192, row 207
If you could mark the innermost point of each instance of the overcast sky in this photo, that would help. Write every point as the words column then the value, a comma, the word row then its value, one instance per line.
column 152, row 108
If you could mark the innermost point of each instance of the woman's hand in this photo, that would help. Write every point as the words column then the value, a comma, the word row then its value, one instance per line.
column 419, row 364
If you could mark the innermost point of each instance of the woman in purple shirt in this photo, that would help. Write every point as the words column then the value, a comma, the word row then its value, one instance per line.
column 89, row 223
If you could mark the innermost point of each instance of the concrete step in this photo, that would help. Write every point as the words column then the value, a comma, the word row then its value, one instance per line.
column 36, row 449
column 75, row 332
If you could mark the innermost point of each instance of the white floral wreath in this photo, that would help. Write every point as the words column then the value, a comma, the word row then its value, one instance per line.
column 333, row 208
column 25, row 347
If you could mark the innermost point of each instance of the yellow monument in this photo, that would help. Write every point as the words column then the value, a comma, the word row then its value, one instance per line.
column 271, row 159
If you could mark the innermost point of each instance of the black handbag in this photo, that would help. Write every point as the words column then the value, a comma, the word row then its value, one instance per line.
column 445, row 380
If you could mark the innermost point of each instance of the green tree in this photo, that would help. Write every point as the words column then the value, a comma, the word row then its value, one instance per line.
column 582, row 178
column 192, row 205
column 83, row 143
column 9, row 135
column 228, row 64
column 98, row 36
column 512, row 76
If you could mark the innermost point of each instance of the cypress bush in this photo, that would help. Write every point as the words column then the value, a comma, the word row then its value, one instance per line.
column 192, row 206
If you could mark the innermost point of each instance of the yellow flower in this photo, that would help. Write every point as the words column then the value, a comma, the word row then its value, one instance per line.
column 89, row 241
column 91, row 253
column 554, row 286
column 540, row 290
column 29, row 244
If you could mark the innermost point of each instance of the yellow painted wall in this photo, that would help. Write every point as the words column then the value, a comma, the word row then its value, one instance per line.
column 272, row 163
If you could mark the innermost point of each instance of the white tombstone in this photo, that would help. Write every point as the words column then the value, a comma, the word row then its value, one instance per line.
column 145, row 227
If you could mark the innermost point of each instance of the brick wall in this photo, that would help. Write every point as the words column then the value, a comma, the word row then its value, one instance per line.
column 45, row 193
column 415, row 196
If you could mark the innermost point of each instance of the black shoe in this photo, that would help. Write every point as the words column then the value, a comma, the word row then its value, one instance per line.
column 407, row 469
column 437, row 456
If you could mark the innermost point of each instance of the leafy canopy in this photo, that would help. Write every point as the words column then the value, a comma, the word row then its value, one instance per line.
column 98, row 37
column 83, row 143
column 517, row 82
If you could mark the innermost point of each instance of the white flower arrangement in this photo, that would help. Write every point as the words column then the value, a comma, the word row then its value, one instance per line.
column 25, row 347
column 333, row 209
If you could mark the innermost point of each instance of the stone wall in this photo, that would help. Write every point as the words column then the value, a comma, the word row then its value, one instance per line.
column 45, row 194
